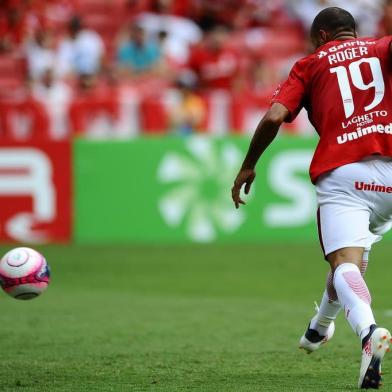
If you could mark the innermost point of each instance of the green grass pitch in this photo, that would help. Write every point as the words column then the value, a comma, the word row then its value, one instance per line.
column 190, row 318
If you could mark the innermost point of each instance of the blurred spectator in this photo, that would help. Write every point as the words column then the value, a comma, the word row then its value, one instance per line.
column 40, row 54
column 55, row 96
column 264, row 79
column 306, row 10
column 6, row 44
column 238, row 14
column 138, row 54
column 216, row 65
column 178, row 34
column 367, row 13
column 175, row 49
column 385, row 27
column 189, row 114
column 267, row 13
column 82, row 52
column 238, row 51
column 213, row 13
column 14, row 24
column 172, row 7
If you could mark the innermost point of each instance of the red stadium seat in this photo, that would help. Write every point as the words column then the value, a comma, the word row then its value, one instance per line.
column 11, row 67
column 9, row 86
column 86, row 108
column 154, row 117
column 102, row 23
column 12, row 75
column 86, row 7
column 24, row 119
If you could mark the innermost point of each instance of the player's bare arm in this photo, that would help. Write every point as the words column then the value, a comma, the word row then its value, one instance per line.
column 265, row 133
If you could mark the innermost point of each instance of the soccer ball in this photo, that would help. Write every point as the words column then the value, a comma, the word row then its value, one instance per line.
column 24, row 273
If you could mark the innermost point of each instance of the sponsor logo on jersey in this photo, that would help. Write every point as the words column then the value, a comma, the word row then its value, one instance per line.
column 361, row 132
column 363, row 186
column 349, row 44
column 365, row 119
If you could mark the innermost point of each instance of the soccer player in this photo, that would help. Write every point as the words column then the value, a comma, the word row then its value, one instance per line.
column 346, row 87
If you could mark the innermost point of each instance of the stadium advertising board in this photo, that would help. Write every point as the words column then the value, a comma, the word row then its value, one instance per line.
column 175, row 190
column 35, row 192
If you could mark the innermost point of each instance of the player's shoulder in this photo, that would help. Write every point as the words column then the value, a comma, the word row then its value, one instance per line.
column 301, row 67
column 383, row 42
column 385, row 38
column 304, row 61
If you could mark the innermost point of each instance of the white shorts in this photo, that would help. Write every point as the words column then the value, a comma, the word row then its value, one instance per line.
column 355, row 204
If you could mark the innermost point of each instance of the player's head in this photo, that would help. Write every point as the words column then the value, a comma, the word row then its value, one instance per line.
column 330, row 24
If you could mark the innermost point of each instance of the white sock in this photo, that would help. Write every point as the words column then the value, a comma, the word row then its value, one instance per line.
column 327, row 313
column 330, row 306
column 354, row 297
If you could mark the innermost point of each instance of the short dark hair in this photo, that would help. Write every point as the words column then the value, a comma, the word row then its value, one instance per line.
column 333, row 20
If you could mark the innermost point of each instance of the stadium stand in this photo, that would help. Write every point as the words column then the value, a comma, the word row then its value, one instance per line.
column 116, row 68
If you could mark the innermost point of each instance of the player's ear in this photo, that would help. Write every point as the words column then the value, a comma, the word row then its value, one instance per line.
column 320, row 38
column 323, row 37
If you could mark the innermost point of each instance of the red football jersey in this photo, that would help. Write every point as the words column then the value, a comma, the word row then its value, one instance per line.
column 346, row 87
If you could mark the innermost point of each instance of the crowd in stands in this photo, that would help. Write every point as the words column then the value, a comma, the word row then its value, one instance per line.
column 119, row 68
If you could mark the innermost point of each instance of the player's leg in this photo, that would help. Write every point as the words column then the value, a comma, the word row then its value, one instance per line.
column 346, row 235
column 351, row 289
column 355, row 299
column 344, row 219
column 321, row 327
column 327, row 311
column 329, row 305
column 348, row 225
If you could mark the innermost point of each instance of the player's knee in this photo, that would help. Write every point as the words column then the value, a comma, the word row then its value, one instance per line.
column 345, row 255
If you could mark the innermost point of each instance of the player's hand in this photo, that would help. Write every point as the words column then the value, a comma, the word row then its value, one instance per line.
column 245, row 176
